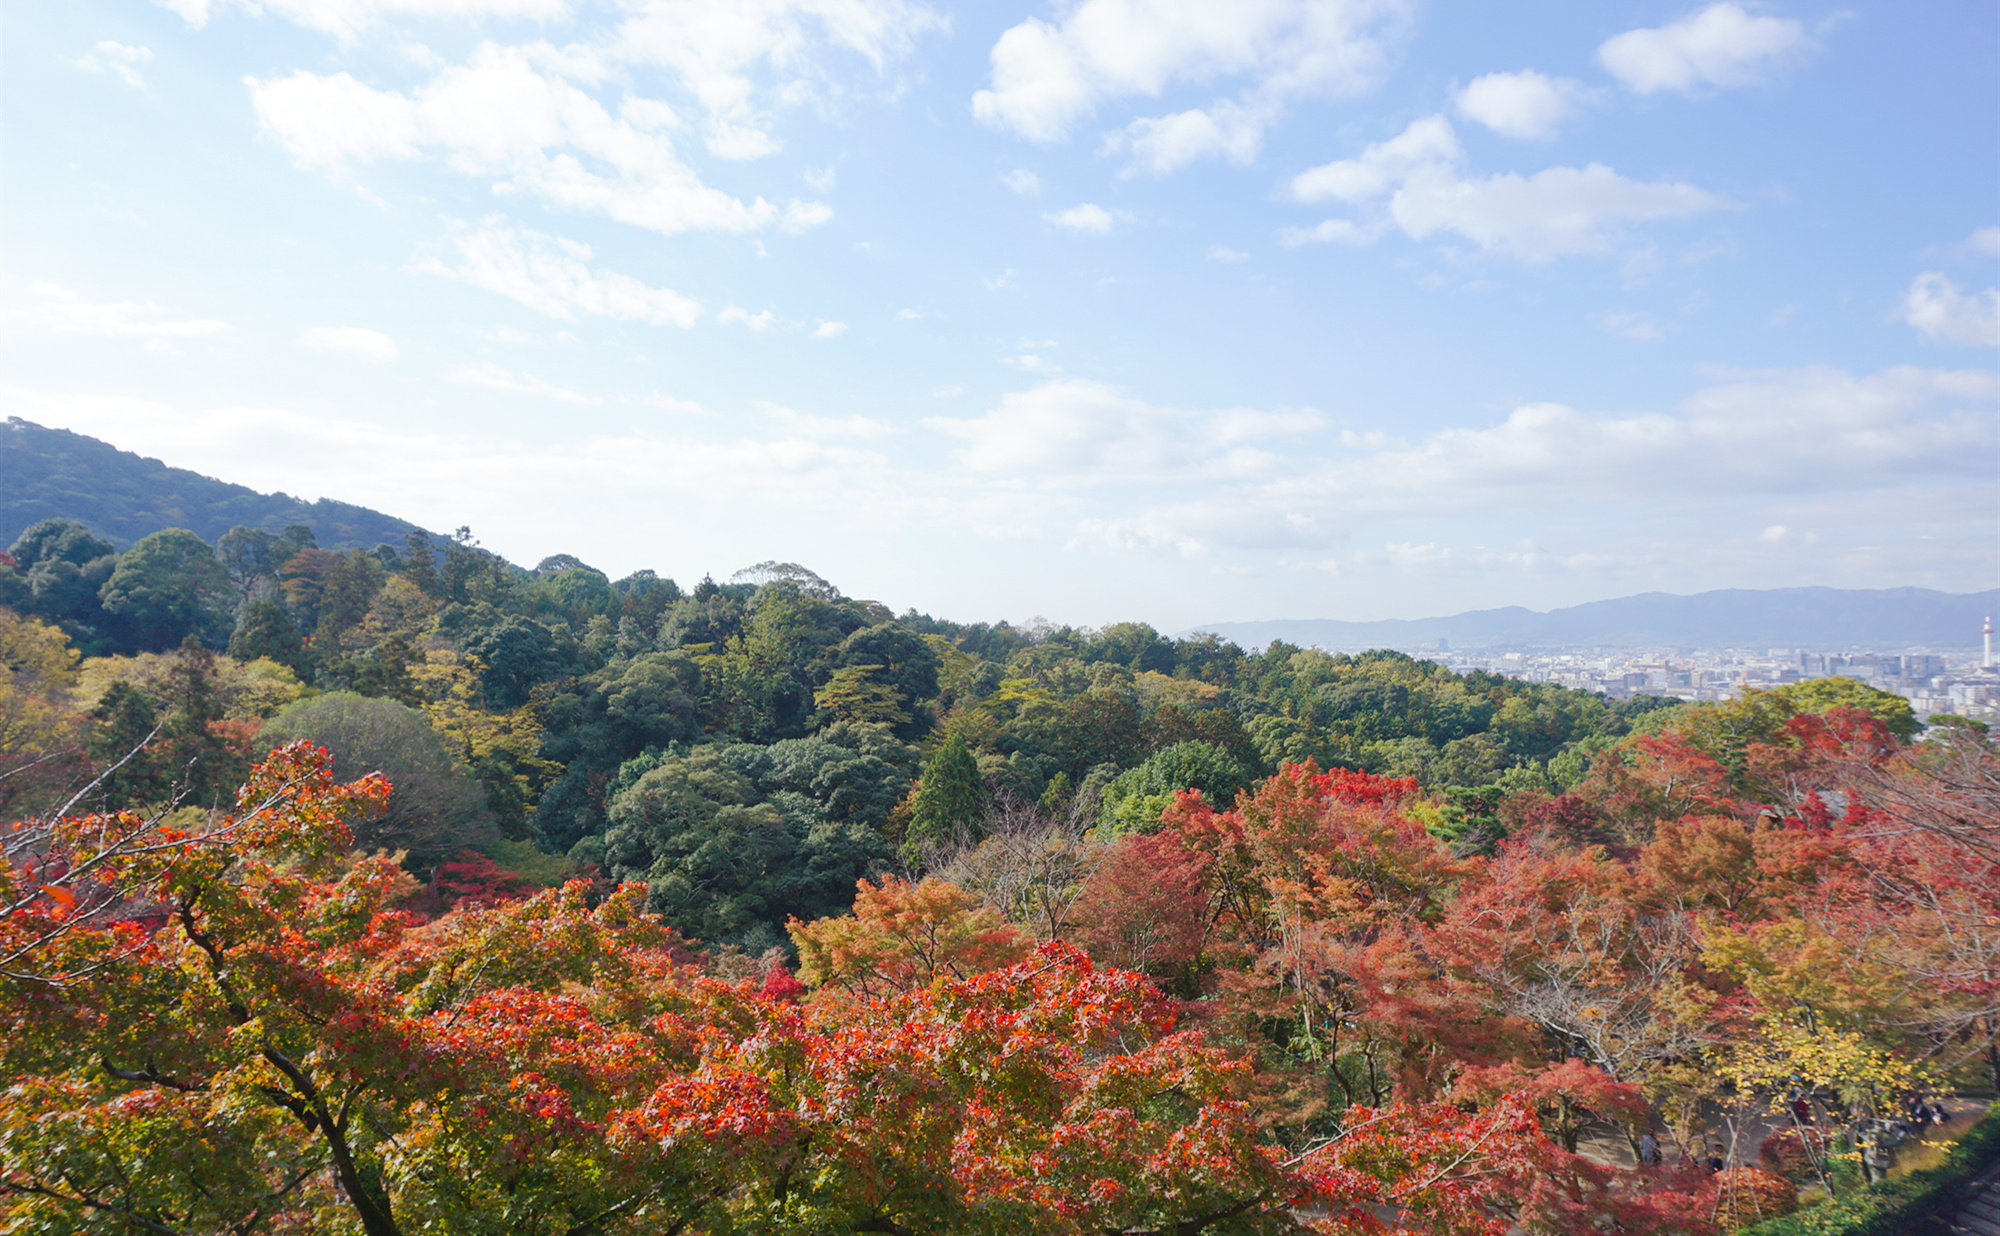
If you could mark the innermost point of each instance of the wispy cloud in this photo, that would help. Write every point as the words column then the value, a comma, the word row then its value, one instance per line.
column 494, row 377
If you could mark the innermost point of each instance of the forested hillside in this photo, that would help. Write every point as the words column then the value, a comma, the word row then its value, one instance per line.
column 751, row 906
column 54, row 473
column 755, row 740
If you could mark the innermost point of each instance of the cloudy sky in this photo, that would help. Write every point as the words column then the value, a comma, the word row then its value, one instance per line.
column 1178, row 310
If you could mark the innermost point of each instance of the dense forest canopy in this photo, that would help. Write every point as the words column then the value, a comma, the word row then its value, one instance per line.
column 714, row 909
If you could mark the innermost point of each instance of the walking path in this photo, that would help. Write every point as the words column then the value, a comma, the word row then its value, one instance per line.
column 1980, row 1215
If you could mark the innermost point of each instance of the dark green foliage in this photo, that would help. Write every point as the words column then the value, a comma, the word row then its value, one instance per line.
column 168, row 588
column 58, row 540
column 383, row 671
column 652, row 699
column 125, row 723
column 347, row 587
column 204, row 766
column 60, row 566
column 1919, row 1202
column 949, row 801
column 580, row 592
column 1133, row 645
column 249, row 555
column 516, row 652
column 266, row 630
column 437, row 809
column 705, row 620
column 725, row 864
column 888, row 655
column 571, row 808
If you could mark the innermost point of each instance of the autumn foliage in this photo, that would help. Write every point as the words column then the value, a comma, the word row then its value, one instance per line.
column 1302, row 1012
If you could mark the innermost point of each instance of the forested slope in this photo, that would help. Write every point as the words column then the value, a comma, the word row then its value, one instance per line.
column 49, row 473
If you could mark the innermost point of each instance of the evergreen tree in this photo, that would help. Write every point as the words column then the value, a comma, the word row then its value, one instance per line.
column 420, row 563
column 205, row 770
column 945, row 810
column 126, row 730
column 266, row 630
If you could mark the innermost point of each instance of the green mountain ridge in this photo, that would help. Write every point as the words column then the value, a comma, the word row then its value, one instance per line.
column 123, row 496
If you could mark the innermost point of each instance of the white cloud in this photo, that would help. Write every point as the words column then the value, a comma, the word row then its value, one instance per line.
column 553, row 276
column 1718, row 48
column 1985, row 240
column 1332, row 231
column 1005, row 279
column 680, row 407
column 1425, row 144
column 742, row 60
column 911, row 315
column 1162, row 144
column 116, row 58
column 62, row 309
column 1557, row 212
column 1087, row 217
column 1946, row 314
column 355, row 341
column 830, row 330
column 1023, row 182
column 1047, row 77
column 809, row 426
column 494, row 377
column 1805, row 431
column 1077, row 431
column 1634, row 326
column 763, row 319
column 346, row 18
column 1222, row 253
column 502, row 116
column 1526, row 105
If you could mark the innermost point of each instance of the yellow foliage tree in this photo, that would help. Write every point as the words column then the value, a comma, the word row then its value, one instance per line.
column 37, row 670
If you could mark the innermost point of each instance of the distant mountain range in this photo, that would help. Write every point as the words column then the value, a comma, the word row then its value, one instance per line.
column 1729, row 617
column 122, row 496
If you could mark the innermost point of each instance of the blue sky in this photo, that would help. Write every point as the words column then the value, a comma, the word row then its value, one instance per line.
column 1154, row 309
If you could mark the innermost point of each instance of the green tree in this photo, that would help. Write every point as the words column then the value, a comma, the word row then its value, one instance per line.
column 420, row 563
column 167, row 587
column 266, row 630
column 248, row 555
column 125, row 723
column 947, row 808
column 194, row 739
column 1133, row 803
column 63, row 566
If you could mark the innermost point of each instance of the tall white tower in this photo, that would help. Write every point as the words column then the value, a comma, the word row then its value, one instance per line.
column 1988, row 662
